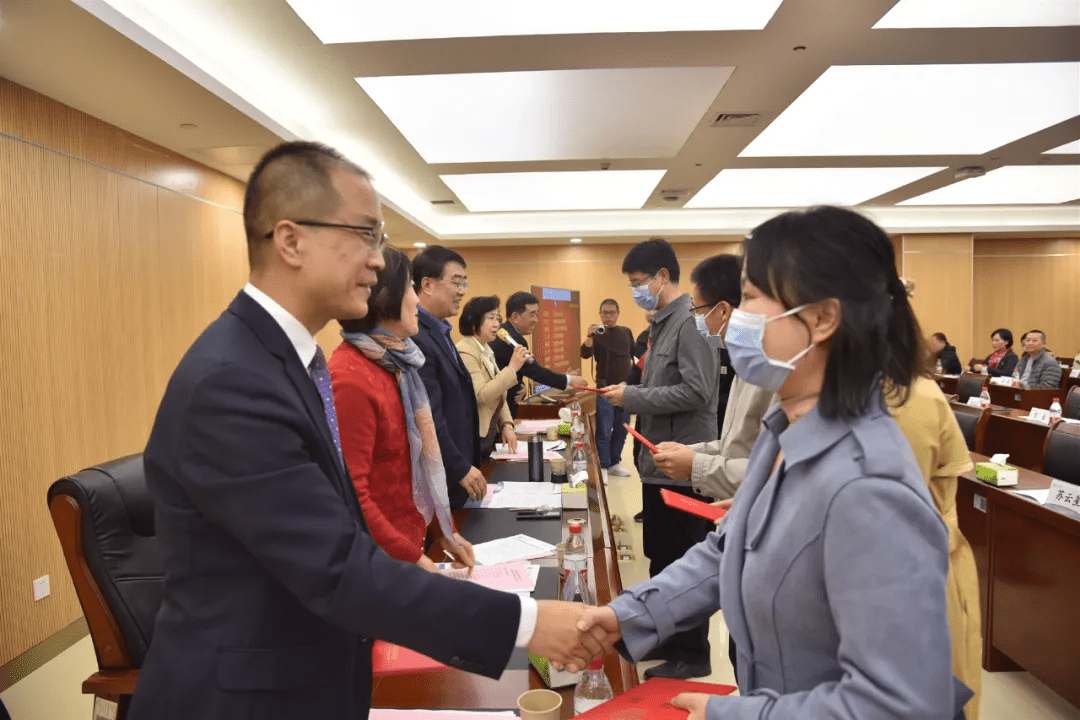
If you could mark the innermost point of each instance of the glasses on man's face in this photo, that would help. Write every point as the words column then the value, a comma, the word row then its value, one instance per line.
column 372, row 235
column 609, row 313
column 462, row 283
column 643, row 283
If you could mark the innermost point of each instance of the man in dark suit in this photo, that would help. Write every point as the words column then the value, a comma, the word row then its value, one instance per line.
column 439, row 279
column 523, row 315
column 273, row 587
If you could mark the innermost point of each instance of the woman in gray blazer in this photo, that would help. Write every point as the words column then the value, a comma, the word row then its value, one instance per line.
column 831, row 565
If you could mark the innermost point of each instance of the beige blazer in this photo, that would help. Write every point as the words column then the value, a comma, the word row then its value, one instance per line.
column 489, row 382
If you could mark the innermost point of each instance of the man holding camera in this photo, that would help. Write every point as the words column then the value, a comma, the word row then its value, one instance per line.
column 612, row 347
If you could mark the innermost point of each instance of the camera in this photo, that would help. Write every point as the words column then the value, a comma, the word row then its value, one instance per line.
column 600, row 330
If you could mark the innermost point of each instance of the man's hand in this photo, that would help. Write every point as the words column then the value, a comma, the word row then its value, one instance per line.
column 509, row 436
column 674, row 460
column 613, row 393
column 569, row 635
column 474, row 484
column 520, row 397
column 463, row 554
column 696, row 703
column 578, row 381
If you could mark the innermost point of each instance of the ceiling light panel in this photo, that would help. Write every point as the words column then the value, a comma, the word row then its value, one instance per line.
column 1013, row 185
column 548, row 114
column 980, row 14
column 349, row 21
column 1072, row 148
column 799, row 187
column 921, row 110
column 585, row 190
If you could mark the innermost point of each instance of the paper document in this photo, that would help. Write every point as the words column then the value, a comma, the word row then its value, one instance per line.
column 1038, row 496
column 521, row 496
column 504, row 576
column 535, row 426
column 517, row 547
column 502, row 452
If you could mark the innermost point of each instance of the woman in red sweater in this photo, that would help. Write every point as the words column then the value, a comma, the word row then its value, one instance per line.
column 387, row 432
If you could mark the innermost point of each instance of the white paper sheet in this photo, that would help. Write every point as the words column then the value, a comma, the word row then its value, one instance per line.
column 1038, row 496
column 516, row 547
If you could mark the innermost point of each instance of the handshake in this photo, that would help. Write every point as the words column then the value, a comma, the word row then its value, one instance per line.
column 572, row 635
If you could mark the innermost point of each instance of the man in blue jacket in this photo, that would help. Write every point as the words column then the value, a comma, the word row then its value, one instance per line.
column 273, row 587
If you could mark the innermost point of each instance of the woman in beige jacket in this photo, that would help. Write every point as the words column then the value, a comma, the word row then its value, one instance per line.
column 478, row 323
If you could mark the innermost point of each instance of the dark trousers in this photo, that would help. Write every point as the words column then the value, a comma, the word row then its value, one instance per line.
column 610, row 433
column 669, row 533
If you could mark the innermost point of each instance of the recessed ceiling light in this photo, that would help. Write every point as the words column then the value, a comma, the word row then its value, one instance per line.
column 575, row 240
column 1072, row 148
column 548, row 114
column 419, row 244
column 348, row 21
column 980, row 13
column 799, row 187
column 1013, row 185
column 932, row 109
column 188, row 126
column 584, row 190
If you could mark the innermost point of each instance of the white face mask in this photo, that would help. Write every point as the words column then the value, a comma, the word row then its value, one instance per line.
column 745, row 344
column 715, row 341
column 645, row 299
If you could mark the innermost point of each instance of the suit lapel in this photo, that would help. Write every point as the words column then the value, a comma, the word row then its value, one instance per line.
column 442, row 343
column 277, row 342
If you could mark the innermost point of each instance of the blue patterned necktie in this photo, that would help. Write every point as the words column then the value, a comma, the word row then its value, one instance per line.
column 320, row 373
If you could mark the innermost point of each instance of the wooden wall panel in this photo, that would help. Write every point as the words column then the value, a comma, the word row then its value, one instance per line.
column 1026, row 284
column 115, row 255
column 941, row 266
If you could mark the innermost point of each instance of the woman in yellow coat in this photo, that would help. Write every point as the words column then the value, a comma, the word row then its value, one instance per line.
column 928, row 423
column 478, row 324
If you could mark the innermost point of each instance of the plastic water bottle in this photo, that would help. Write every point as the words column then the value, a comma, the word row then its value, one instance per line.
column 1055, row 410
column 575, row 566
column 984, row 398
column 1016, row 378
column 579, row 460
column 592, row 689
column 938, row 369
column 577, row 424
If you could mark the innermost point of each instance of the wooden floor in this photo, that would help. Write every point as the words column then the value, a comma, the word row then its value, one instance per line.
column 1006, row 696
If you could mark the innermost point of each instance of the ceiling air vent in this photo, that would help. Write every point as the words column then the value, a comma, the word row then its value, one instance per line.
column 442, row 202
column 735, row 120
column 673, row 195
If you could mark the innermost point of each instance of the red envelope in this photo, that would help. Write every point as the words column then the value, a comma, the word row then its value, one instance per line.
column 390, row 659
column 692, row 506
column 651, row 700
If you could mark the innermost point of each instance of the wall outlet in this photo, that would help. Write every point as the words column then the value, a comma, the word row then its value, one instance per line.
column 41, row 587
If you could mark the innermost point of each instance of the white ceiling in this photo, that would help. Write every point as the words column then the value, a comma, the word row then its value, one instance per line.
column 439, row 103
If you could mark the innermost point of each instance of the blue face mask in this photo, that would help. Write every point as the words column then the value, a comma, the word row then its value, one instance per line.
column 645, row 299
column 745, row 337
column 715, row 341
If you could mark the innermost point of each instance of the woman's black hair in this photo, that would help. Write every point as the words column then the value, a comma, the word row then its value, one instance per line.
column 1005, row 334
column 808, row 256
column 472, row 315
column 388, row 293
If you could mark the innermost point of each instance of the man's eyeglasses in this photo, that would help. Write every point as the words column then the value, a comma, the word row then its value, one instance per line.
column 461, row 283
column 644, row 282
column 372, row 235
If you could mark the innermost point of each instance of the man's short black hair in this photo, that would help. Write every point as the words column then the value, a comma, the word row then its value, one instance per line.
column 516, row 303
column 719, row 279
column 649, row 256
column 431, row 262
column 472, row 315
column 1036, row 331
column 610, row 301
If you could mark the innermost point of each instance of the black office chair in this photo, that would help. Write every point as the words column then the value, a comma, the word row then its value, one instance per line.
column 971, row 420
column 1061, row 453
column 104, row 517
column 1072, row 404
column 969, row 386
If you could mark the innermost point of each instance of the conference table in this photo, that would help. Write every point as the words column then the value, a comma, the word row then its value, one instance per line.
column 459, row 690
column 1028, row 560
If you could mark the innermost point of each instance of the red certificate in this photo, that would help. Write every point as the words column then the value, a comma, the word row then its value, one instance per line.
column 652, row 700
column 692, row 506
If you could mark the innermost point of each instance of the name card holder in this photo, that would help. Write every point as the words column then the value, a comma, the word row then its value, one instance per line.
column 1064, row 495
column 1040, row 416
column 975, row 402
column 1075, row 374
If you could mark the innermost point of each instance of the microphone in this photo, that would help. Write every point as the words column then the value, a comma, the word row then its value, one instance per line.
column 507, row 338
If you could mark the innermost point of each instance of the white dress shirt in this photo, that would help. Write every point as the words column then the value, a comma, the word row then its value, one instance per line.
column 304, row 344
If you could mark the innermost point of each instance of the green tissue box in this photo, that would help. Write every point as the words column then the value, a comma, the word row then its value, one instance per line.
column 997, row 474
